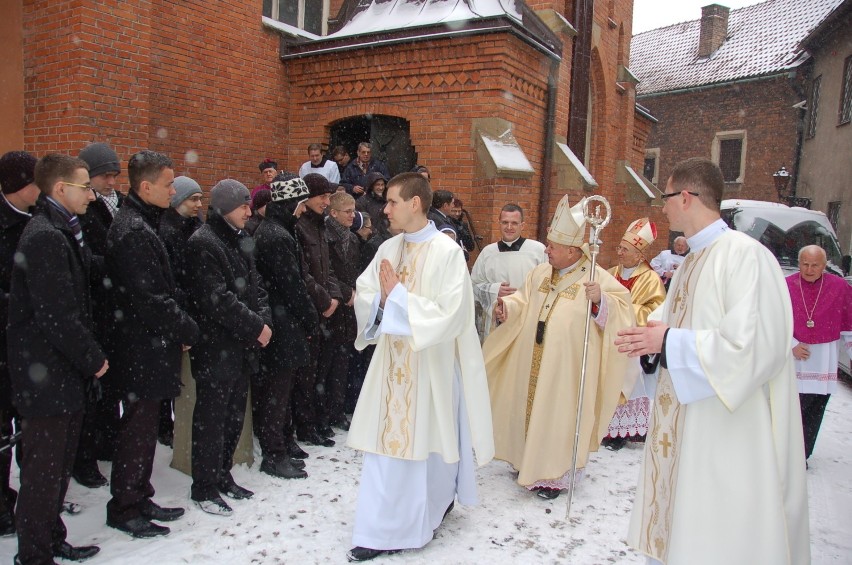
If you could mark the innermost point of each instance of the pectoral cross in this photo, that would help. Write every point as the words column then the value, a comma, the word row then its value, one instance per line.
column 403, row 274
column 399, row 376
column 666, row 445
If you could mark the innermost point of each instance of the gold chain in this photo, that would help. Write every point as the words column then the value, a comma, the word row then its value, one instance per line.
column 810, row 315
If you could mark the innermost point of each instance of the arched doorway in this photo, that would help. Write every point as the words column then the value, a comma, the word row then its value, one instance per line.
column 389, row 136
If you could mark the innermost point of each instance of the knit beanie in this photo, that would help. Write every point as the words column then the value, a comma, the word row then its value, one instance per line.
column 17, row 170
column 358, row 222
column 261, row 198
column 288, row 187
column 101, row 159
column 184, row 188
column 228, row 195
column 317, row 184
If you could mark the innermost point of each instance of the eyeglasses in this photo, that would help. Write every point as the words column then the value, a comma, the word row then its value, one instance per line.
column 83, row 186
column 667, row 195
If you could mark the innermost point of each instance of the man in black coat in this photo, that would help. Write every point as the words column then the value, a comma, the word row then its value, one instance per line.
column 150, row 332
column 233, row 312
column 53, row 354
column 294, row 323
column 327, row 298
column 17, row 181
column 100, row 421
column 354, row 177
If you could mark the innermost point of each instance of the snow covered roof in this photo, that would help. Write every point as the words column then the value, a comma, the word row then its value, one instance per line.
column 369, row 16
column 382, row 22
column 763, row 39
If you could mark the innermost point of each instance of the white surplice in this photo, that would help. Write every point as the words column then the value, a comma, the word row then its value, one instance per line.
column 727, row 411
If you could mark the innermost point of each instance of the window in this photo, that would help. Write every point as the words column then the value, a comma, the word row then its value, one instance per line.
column 833, row 213
column 729, row 151
column 309, row 15
column 845, row 114
column 813, row 108
column 651, row 167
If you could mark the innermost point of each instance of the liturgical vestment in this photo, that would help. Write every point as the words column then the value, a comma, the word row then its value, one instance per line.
column 723, row 476
column 534, row 387
column 423, row 411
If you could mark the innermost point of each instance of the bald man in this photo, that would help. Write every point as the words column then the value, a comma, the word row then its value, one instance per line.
column 822, row 320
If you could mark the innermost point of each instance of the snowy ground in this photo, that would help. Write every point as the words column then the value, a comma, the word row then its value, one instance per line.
column 309, row 521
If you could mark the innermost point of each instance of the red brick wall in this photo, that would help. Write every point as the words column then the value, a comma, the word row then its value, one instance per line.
column 688, row 122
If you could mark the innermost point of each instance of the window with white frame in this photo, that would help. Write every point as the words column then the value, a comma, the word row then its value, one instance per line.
column 845, row 114
column 651, row 168
column 813, row 108
column 729, row 152
column 309, row 15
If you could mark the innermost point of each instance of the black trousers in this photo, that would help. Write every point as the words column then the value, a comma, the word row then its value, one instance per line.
column 813, row 409
column 133, row 459
column 332, row 376
column 303, row 400
column 217, row 422
column 8, row 495
column 50, row 445
column 87, row 448
column 270, row 399
column 107, row 417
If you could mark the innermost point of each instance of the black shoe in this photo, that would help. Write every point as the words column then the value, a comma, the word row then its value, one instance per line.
column 365, row 553
column 297, row 463
column 71, row 508
column 548, row 493
column 313, row 438
column 90, row 478
column 7, row 524
column 166, row 438
column 235, row 491
column 614, row 443
column 139, row 527
column 325, row 431
column 295, row 451
column 67, row 551
column 340, row 423
column 152, row 511
column 281, row 468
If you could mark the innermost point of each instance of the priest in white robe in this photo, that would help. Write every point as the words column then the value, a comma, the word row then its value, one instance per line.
column 723, row 477
column 423, row 413
column 501, row 267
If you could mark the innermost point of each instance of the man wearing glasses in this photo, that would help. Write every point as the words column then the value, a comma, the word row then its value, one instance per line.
column 723, row 474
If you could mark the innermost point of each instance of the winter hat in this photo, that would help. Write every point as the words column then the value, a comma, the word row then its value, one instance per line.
column 287, row 187
column 17, row 170
column 317, row 185
column 228, row 195
column 101, row 159
column 261, row 198
column 184, row 188
column 267, row 164
column 358, row 223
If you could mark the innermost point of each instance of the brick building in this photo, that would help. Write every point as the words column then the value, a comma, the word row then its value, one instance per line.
column 729, row 87
column 504, row 101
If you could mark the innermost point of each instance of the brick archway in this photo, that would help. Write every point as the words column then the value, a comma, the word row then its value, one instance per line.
column 390, row 137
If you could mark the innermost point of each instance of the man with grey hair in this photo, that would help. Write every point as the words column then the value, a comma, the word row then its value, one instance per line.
column 822, row 321
column 354, row 178
column 668, row 261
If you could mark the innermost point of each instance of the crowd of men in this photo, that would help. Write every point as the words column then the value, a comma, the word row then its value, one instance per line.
column 340, row 290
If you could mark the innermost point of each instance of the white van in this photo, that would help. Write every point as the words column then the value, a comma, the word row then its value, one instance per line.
column 785, row 230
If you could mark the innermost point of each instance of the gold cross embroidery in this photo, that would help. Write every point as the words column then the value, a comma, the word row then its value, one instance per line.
column 666, row 445
column 403, row 274
column 399, row 376
column 677, row 301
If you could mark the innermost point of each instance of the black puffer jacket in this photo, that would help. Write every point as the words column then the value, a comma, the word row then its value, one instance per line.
column 294, row 317
column 344, row 251
column 149, row 326
column 175, row 231
column 51, row 342
column 322, row 285
column 227, row 300
column 12, row 224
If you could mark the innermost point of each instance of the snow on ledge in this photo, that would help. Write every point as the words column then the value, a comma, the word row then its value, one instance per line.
column 287, row 29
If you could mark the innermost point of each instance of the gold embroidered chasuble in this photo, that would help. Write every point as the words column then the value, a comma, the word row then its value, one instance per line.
column 534, row 387
column 722, row 479
column 406, row 407
column 647, row 291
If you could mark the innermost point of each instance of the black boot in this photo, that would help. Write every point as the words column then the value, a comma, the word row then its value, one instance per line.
column 365, row 553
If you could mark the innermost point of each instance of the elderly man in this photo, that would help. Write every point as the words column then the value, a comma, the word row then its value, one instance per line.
column 723, row 477
column 822, row 319
column 668, row 261
column 646, row 293
column 268, row 170
column 354, row 177
column 501, row 266
column 317, row 163
column 534, row 360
